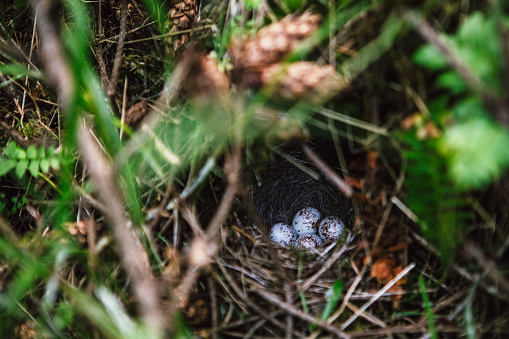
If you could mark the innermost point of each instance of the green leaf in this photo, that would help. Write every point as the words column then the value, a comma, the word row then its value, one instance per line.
column 5, row 166
column 44, row 165
column 21, row 168
column 452, row 81
column 430, row 57
column 31, row 152
column 54, row 163
column 477, row 151
column 51, row 151
column 63, row 315
column 41, row 152
column 33, row 168
column 20, row 70
column 332, row 295
column 20, row 153
column 11, row 149
column 428, row 308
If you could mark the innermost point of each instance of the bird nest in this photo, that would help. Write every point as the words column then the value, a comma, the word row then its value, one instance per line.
column 266, row 289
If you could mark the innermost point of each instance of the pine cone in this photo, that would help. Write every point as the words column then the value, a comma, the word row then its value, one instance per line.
column 269, row 46
column 303, row 80
column 136, row 112
column 181, row 17
column 205, row 79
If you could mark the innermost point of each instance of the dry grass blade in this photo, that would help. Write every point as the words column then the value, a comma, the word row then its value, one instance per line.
column 350, row 320
column 332, row 259
column 342, row 185
column 274, row 299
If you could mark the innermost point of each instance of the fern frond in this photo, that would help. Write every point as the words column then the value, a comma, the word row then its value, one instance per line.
column 433, row 197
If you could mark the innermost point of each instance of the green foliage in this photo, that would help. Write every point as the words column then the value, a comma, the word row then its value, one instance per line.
column 432, row 196
column 476, row 151
column 474, row 146
column 427, row 307
column 34, row 159
column 15, row 203
column 333, row 295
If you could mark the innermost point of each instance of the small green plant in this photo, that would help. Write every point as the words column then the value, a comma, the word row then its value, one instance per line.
column 473, row 144
column 9, row 208
column 34, row 160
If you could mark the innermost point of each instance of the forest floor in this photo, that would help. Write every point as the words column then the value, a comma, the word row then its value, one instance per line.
column 147, row 148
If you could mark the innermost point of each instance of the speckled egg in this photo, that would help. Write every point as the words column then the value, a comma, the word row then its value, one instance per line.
column 308, row 241
column 306, row 220
column 331, row 229
column 283, row 234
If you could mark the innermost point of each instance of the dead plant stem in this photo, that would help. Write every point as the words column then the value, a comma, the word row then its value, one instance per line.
column 274, row 299
column 112, row 85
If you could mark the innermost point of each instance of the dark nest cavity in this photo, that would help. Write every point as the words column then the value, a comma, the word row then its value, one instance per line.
column 285, row 188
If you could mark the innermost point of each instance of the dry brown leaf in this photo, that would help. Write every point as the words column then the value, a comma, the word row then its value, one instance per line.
column 383, row 270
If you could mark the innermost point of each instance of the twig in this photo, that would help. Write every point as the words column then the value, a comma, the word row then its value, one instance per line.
column 120, row 50
column 204, row 246
column 345, row 302
column 13, row 134
column 369, row 317
column 401, row 330
column 333, row 258
column 272, row 298
column 377, row 295
column 100, row 59
column 251, row 209
column 460, row 270
column 232, row 170
column 341, row 185
column 214, row 316
column 135, row 258
column 18, row 49
column 251, row 304
column 289, row 318
column 489, row 267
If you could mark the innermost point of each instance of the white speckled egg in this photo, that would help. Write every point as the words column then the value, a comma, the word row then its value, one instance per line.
column 306, row 220
column 283, row 234
column 331, row 229
column 308, row 241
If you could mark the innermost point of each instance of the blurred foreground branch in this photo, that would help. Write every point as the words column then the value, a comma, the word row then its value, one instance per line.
column 130, row 248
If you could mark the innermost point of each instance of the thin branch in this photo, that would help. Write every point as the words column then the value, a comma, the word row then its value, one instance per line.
column 239, row 291
column 100, row 59
column 377, row 295
column 340, row 184
column 120, row 50
column 135, row 258
column 274, row 299
column 332, row 259
column 10, row 132
column 214, row 314
column 489, row 267
column 18, row 50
